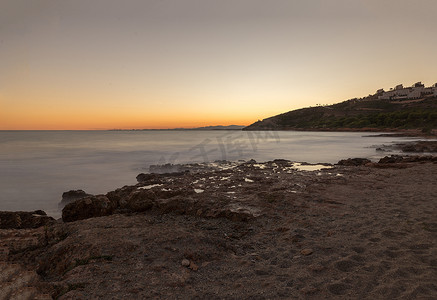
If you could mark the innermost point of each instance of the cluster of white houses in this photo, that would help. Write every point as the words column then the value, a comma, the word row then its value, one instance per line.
column 417, row 91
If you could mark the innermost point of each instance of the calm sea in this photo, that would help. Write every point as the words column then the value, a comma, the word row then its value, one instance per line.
column 36, row 167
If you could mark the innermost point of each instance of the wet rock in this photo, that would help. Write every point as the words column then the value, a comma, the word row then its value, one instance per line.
column 353, row 162
column 167, row 168
column 420, row 158
column 412, row 147
column 154, row 178
column 90, row 207
column 391, row 159
column 21, row 219
column 419, row 146
column 149, row 178
column 282, row 162
column 72, row 196
column 180, row 191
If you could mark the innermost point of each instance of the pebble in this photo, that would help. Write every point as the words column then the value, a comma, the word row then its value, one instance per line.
column 185, row 262
column 193, row 266
column 306, row 252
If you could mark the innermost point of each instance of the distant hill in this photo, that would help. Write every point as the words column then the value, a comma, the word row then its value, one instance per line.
column 358, row 114
column 219, row 127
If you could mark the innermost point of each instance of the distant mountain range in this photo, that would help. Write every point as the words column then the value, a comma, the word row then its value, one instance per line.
column 219, row 127
column 369, row 113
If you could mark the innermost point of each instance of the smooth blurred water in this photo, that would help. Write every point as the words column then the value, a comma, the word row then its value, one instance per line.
column 36, row 167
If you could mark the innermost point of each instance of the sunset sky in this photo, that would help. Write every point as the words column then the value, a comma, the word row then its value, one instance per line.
column 103, row 64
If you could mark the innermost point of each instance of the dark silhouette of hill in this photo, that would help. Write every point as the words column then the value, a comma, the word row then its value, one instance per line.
column 357, row 114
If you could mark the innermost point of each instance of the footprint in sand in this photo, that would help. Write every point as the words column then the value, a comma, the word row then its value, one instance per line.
column 346, row 265
column 338, row 288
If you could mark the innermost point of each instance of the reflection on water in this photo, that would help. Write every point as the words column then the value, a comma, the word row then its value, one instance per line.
column 316, row 167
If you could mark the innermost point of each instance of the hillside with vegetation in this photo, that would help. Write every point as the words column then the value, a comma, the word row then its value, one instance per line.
column 368, row 113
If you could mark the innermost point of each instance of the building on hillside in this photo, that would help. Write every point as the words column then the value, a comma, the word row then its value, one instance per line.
column 401, row 94
column 416, row 91
column 386, row 95
column 380, row 91
column 427, row 91
column 415, row 94
column 418, row 84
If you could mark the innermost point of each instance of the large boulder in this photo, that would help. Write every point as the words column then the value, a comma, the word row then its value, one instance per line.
column 144, row 199
column 391, row 159
column 89, row 207
column 396, row 159
column 72, row 196
column 159, row 177
column 23, row 219
column 140, row 200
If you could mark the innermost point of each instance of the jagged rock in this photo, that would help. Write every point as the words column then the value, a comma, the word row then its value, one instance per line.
column 72, row 196
column 18, row 283
column 149, row 178
column 140, row 200
column 250, row 162
column 419, row 146
column 119, row 196
column 178, row 205
column 165, row 200
column 391, row 159
column 353, row 162
column 419, row 158
column 154, row 178
column 281, row 162
column 237, row 212
column 95, row 206
column 21, row 219
column 165, row 169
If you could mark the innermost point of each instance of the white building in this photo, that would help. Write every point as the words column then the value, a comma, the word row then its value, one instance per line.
column 427, row 91
column 387, row 95
column 402, row 93
column 418, row 90
column 415, row 94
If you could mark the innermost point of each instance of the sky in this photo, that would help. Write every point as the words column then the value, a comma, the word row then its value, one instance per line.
column 105, row 64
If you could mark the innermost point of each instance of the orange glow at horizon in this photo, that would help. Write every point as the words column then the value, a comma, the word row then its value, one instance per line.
column 100, row 65
column 73, row 119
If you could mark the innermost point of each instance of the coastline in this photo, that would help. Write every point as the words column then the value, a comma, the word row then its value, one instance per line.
column 357, row 230
column 395, row 132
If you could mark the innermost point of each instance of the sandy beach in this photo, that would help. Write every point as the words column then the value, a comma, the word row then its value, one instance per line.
column 253, row 231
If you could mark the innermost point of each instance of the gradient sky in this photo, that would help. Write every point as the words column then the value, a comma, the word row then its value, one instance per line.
column 102, row 64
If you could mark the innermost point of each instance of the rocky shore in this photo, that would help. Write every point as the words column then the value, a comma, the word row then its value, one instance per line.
column 279, row 229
